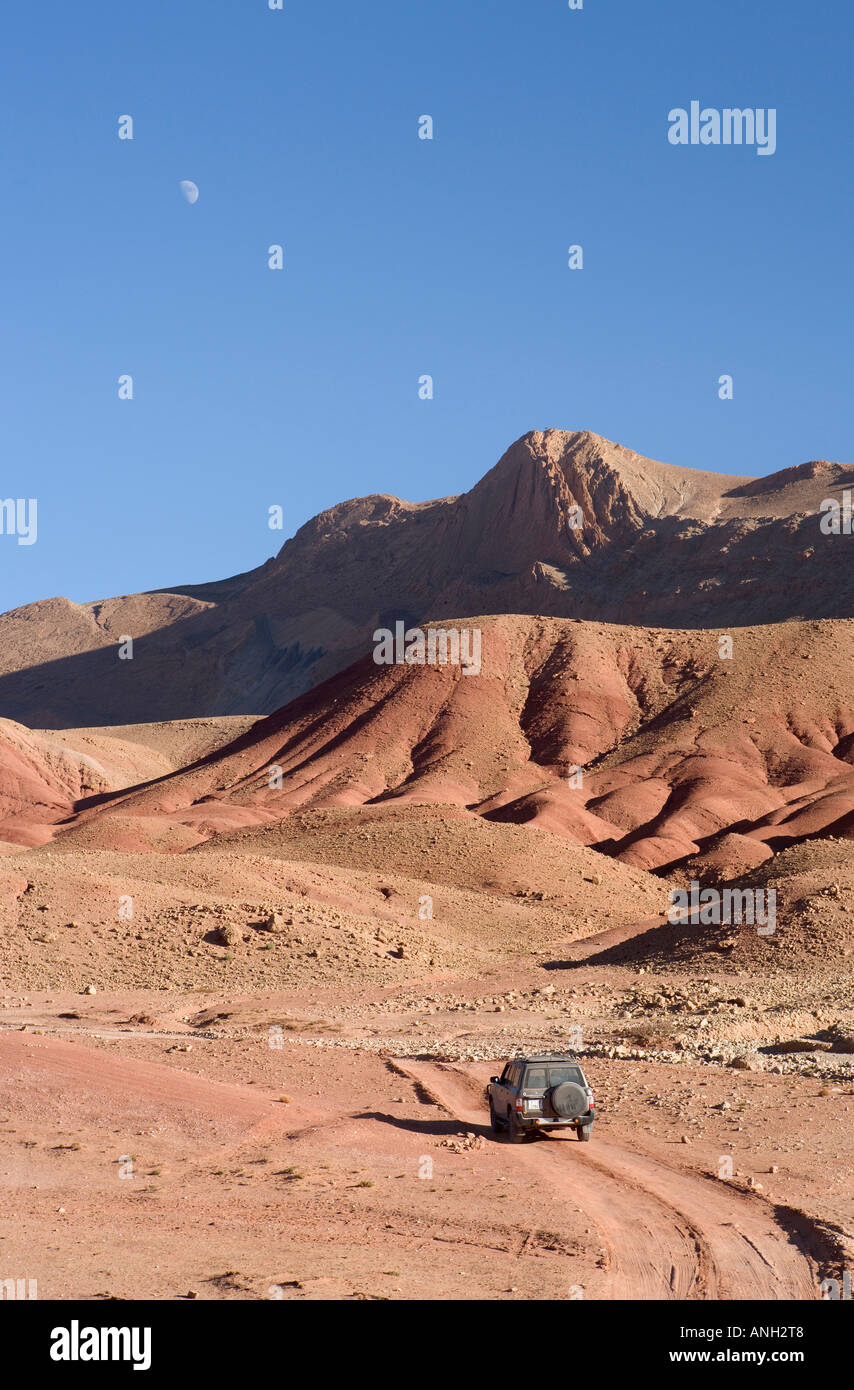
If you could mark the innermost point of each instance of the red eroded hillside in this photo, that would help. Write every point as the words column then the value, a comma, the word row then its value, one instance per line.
column 645, row 744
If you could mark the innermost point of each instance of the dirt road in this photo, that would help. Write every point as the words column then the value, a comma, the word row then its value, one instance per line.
column 133, row 1165
column 668, row 1232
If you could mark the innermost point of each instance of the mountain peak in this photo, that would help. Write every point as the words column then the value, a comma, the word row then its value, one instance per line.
column 567, row 524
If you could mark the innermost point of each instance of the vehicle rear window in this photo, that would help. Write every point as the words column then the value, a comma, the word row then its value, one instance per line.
column 541, row 1078
column 559, row 1074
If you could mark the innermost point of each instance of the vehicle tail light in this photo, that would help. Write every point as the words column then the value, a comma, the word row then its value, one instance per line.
column 520, row 1106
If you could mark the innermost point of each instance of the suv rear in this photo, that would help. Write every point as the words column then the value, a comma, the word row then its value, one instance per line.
column 544, row 1092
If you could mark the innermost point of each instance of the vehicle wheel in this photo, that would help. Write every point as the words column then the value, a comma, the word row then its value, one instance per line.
column 493, row 1120
column 514, row 1133
column 585, row 1133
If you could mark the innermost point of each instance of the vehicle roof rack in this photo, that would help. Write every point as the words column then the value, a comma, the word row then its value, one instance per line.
column 556, row 1054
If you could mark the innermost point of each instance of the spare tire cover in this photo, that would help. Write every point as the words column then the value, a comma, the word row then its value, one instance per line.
column 568, row 1100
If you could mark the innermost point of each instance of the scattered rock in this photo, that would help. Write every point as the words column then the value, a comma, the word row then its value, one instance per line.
column 841, row 1038
column 747, row 1062
column 275, row 922
column 225, row 935
column 463, row 1143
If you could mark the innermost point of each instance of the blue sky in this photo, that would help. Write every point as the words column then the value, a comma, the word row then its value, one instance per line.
column 403, row 257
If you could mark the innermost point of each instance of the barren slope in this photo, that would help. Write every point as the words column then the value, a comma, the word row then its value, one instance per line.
column 43, row 774
column 675, row 746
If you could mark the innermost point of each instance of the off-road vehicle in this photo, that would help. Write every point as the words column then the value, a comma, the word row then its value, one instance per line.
column 542, row 1092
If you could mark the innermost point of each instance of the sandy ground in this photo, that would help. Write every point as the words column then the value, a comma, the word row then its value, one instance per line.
column 263, row 1145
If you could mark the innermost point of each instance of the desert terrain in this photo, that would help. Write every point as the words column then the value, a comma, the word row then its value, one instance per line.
column 271, row 914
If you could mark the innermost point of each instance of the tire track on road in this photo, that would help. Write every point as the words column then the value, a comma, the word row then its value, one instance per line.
column 669, row 1233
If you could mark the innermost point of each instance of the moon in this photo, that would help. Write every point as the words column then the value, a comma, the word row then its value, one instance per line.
column 189, row 190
